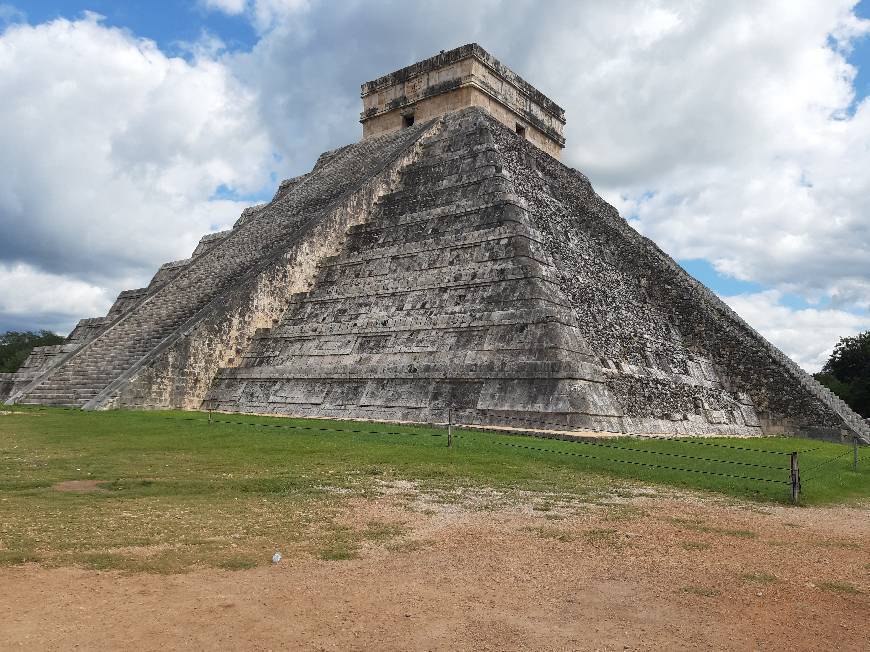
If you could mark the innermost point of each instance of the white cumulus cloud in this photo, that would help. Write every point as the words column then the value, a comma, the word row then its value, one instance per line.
column 231, row 7
column 806, row 335
column 264, row 14
column 56, row 300
column 112, row 152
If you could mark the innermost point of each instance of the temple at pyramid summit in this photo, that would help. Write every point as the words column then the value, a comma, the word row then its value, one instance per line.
column 447, row 260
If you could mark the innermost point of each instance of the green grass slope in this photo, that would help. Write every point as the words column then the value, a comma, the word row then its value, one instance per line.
column 178, row 485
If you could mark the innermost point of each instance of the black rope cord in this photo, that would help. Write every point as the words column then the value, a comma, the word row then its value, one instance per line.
column 737, row 448
column 658, row 437
column 557, row 452
column 565, row 427
column 384, row 432
column 601, row 445
column 481, row 427
column 833, row 459
column 654, row 466
column 312, row 428
column 678, row 455
column 572, row 441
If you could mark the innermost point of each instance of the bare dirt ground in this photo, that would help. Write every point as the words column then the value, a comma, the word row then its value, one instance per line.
column 646, row 572
column 78, row 485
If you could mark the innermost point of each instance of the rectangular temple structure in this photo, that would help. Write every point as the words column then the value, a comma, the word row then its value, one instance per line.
column 463, row 77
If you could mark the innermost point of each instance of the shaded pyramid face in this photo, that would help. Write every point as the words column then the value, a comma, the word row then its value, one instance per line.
column 494, row 282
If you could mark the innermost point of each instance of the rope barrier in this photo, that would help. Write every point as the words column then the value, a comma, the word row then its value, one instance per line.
column 833, row 459
column 386, row 432
column 602, row 445
column 708, row 443
column 678, row 455
column 680, row 440
column 564, row 427
column 311, row 428
column 569, row 453
column 653, row 466
column 483, row 427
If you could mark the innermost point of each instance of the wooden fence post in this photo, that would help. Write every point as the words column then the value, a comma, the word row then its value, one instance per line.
column 449, row 428
column 795, row 479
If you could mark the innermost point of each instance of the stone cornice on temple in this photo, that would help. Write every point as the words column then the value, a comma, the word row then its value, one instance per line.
column 455, row 79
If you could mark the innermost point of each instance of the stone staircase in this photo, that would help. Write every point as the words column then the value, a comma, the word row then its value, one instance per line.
column 84, row 375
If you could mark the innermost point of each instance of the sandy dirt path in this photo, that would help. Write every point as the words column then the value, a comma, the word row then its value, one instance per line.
column 653, row 574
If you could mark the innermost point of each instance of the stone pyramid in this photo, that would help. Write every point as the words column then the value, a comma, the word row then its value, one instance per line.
column 450, row 264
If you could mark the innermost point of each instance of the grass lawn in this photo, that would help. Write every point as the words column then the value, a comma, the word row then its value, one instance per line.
column 183, row 492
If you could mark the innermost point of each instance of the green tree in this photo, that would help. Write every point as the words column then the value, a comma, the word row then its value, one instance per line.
column 15, row 347
column 847, row 372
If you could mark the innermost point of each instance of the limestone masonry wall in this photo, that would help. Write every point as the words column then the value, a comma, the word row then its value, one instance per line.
column 41, row 358
column 437, row 300
column 454, row 100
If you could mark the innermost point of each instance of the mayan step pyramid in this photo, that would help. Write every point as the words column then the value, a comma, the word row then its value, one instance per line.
column 447, row 261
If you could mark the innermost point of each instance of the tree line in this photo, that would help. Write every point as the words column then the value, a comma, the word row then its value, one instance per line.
column 16, row 346
column 847, row 372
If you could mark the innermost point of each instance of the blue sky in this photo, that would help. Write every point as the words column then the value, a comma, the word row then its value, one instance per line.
column 167, row 22
column 745, row 158
column 860, row 56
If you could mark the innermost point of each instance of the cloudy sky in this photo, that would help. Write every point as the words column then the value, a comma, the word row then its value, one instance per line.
column 735, row 134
